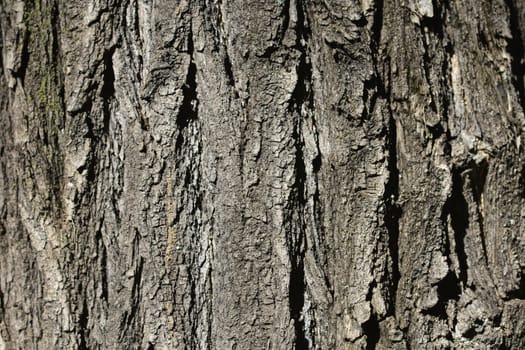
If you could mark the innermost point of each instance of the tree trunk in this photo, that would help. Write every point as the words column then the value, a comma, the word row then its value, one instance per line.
column 292, row 174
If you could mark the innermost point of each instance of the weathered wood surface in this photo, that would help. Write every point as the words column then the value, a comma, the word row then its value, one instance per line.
column 291, row 174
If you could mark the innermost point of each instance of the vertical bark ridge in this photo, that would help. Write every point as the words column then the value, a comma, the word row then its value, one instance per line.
column 188, row 207
column 393, row 210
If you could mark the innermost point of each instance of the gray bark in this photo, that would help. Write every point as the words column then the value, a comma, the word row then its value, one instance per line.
column 293, row 174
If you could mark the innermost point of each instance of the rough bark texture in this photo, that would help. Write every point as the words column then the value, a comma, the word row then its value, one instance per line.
column 247, row 174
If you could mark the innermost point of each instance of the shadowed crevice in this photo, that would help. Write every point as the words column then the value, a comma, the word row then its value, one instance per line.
column 228, row 69
column 83, row 331
column 393, row 211
column 517, row 52
column 57, row 59
column 107, row 92
column 518, row 293
column 457, row 207
column 24, row 59
column 478, row 177
column 301, row 101
column 297, row 290
column 377, row 26
column 372, row 331
column 435, row 24
column 297, row 283
column 448, row 288
column 188, row 110
column 380, row 85
column 101, row 247
column 302, row 94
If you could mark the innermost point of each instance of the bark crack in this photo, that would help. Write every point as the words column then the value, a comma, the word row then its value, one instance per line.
column 24, row 59
column 372, row 332
column 229, row 71
column 377, row 26
column 83, row 326
column 188, row 110
column 517, row 53
column 301, row 101
column 393, row 210
column 457, row 207
column 478, row 177
column 103, row 265
column 108, row 88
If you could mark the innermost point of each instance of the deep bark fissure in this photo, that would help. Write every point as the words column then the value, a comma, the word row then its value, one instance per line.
column 297, row 283
column 296, row 244
column 302, row 95
column 446, row 98
column 107, row 91
column 517, row 53
column 57, row 59
column 448, row 289
column 301, row 100
column 103, row 265
column 187, row 177
column 518, row 293
column 478, row 176
column 372, row 331
column 457, row 208
column 393, row 210
column 228, row 70
column 436, row 23
column 369, row 102
column 90, row 167
column 83, row 330
column 188, row 110
column 377, row 27
column 24, row 59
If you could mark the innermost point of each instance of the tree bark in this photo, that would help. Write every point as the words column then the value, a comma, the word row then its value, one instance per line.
column 292, row 174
